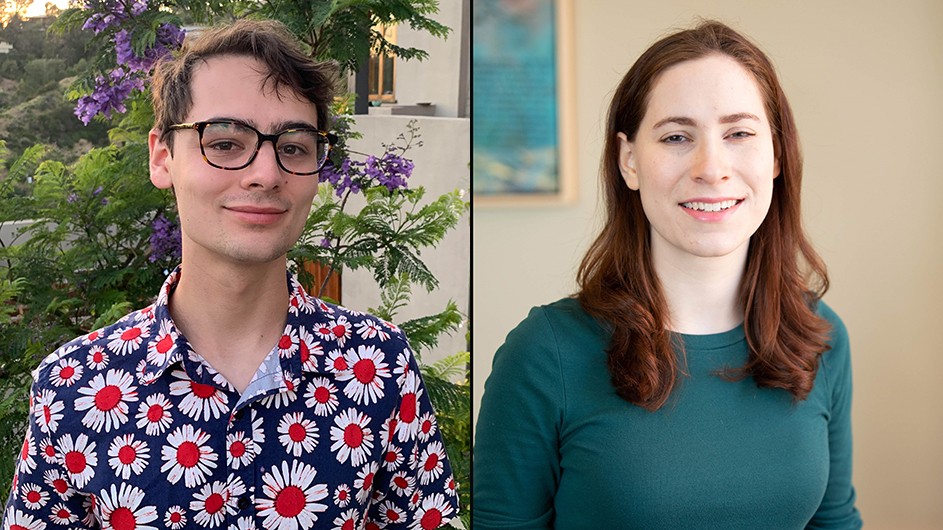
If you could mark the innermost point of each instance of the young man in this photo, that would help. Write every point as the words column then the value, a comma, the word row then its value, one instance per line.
column 236, row 401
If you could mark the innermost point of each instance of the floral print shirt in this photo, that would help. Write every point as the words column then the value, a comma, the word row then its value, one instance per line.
column 132, row 429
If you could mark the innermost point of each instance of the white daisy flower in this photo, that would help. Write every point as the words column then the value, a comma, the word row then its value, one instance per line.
column 188, row 455
column 106, row 399
column 352, row 437
column 290, row 496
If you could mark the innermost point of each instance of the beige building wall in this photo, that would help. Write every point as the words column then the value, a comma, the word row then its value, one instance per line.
column 866, row 83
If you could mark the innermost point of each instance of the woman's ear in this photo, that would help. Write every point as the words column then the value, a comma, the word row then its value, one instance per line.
column 160, row 156
column 627, row 161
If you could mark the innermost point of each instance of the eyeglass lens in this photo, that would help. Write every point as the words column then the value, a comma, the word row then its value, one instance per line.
column 230, row 146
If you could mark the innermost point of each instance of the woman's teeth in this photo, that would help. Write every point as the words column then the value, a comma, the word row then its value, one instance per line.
column 710, row 206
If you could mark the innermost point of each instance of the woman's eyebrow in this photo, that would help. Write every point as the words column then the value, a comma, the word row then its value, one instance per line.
column 684, row 120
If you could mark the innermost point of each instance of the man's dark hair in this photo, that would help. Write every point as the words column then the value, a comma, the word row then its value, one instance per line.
column 268, row 41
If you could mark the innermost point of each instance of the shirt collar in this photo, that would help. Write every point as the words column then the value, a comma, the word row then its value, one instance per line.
column 167, row 346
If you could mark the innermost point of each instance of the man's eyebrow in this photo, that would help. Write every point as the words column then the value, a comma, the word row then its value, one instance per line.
column 277, row 127
column 684, row 120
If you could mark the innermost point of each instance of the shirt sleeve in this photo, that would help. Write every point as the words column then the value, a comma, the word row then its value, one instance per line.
column 837, row 510
column 415, row 487
column 516, row 452
column 42, row 495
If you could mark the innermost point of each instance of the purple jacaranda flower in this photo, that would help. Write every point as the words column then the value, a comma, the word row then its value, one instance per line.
column 165, row 239
column 72, row 198
column 325, row 242
column 108, row 96
column 97, row 190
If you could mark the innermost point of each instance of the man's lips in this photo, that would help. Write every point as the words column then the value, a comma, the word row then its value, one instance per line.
column 257, row 214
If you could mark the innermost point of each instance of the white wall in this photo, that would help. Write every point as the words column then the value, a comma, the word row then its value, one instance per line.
column 437, row 79
column 441, row 166
column 866, row 84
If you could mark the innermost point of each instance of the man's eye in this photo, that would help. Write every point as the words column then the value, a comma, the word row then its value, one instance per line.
column 224, row 145
column 293, row 150
column 674, row 139
column 741, row 134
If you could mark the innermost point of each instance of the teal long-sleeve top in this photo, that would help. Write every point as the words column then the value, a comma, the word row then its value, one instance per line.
column 556, row 447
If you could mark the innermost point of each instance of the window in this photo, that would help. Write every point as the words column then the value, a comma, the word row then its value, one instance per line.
column 383, row 71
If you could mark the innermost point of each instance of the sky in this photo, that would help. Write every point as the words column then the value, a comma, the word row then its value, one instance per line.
column 38, row 7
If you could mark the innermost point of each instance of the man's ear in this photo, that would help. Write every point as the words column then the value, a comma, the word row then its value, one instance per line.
column 159, row 157
column 627, row 162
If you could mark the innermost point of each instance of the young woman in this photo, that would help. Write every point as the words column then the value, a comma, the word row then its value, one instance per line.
column 696, row 380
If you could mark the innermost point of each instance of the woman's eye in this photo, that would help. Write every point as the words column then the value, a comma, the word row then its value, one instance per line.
column 675, row 139
column 741, row 134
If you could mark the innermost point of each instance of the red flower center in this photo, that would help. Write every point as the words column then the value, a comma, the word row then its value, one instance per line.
column 107, row 398
column 431, row 519
column 322, row 394
column 407, row 409
column 365, row 370
column 131, row 334
column 66, row 372
column 127, row 454
column 353, row 435
column 214, row 503
column 188, row 454
column 297, row 432
column 290, row 501
column 122, row 518
column 75, row 462
column 237, row 449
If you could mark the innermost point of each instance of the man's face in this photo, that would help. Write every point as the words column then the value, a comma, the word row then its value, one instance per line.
column 252, row 215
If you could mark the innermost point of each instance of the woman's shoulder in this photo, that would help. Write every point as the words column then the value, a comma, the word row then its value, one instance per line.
column 838, row 333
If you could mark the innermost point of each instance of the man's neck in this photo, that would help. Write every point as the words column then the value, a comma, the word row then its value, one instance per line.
column 232, row 315
column 703, row 294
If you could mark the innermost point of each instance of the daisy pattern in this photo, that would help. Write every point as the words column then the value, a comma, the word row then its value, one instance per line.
column 163, row 345
column 427, row 427
column 290, row 497
column 244, row 523
column 342, row 495
column 297, row 434
column 240, row 450
column 154, row 415
column 118, row 413
column 106, row 400
column 309, row 350
column 48, row 451
column 210, row 504
column 393, row 458
column 336, row 362
column 408, row 422
column 403, row 483
column 97, row 358
column 430, row 462
column 288, row 343
column 34, row 497
column 188, row 455
column 123, row 341
column 79, row 458
column 369, row 329
column 121, row 508
column 15, row 519
column 365, row 376
column 346, row 520
column 127, row 455
column 402, row 368
column 390, row 513
column 175, row 518
column 433, row 513
column 62, row 515
column 57, row 482
column 26, row 462
column 92, row 337
column 337, row 330
column 364, row 482
column 352, row 437
column 66, row 372
column 47, row 411
column 321, row 396
column 199, row 401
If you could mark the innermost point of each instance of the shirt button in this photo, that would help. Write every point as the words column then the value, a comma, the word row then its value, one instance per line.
column 239, row 414
column 243, row 503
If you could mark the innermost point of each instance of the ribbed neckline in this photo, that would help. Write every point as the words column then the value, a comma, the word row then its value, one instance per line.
column 713, row 341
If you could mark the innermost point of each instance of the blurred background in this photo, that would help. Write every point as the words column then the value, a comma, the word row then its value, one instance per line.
column 865, row 81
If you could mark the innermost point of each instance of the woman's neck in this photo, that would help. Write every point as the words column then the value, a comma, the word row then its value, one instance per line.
column 703, row 293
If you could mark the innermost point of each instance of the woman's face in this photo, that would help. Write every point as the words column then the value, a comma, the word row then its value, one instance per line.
column 703, row 159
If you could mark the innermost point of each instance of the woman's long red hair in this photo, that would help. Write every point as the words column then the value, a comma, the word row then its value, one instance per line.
column 784, row 276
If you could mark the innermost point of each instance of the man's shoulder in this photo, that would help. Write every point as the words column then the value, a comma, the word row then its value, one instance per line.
column 113, row 345
column 346, row 327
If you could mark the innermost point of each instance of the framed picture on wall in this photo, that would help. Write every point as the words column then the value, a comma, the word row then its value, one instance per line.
column 523, row 131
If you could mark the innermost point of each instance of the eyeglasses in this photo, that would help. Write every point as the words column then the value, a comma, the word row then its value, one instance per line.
column 232, row 145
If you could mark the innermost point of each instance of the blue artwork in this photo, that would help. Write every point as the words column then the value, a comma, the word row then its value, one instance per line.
column 514, row 119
